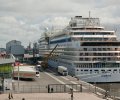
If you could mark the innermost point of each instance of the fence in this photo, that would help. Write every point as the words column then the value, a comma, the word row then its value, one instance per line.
column 51, row 88
column 30, row 89
column 64, row 88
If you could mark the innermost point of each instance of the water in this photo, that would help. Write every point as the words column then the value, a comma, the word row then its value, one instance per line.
column 114, row 88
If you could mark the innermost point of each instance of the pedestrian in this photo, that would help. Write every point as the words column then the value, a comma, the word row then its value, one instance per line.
column 106, row 94
column 9, row 97
column 48, row 89
column 52, row 90
column 23, row 98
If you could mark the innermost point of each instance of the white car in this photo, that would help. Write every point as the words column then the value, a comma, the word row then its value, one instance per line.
column 38, row 67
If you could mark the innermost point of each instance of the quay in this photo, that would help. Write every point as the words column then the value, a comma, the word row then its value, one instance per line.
column 52, row 96
column 38, row 89
column 51, row 86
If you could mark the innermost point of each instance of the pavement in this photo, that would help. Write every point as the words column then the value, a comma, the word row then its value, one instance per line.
column 52, row 96
column 37, row 89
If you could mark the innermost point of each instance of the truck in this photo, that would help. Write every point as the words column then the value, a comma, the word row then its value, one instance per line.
column 25, row 72
column 62, row 70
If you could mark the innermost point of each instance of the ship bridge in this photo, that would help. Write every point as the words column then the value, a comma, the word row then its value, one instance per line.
column 85, row 23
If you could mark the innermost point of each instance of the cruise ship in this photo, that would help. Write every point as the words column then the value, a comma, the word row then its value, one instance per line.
column 89, row 51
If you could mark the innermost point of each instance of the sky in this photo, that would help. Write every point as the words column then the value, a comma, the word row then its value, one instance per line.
column 25, row 20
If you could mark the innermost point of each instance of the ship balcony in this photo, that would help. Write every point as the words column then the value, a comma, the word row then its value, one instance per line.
column 112, row 61
column 91, row 58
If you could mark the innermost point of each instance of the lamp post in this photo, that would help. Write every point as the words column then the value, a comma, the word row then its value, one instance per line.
column 18, row 78
column 2, row 81
column 18, row 74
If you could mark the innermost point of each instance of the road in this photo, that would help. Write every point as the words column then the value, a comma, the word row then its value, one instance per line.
column 40, row 84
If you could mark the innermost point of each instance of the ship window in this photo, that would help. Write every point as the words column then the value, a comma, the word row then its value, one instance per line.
column 81, row 70
column 85, row 70
column 85, row 49
column 95, row 70
column 90, row 70
column 115, row 70
column 77, row 69
column 103, row 70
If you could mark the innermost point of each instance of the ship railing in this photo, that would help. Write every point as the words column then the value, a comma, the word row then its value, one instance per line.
column 115, row 95
column 87, row 87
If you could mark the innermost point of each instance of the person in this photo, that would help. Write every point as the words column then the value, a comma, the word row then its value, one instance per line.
column 106, row 94
column 9, row 97
column 48, row 89
column 71, row 90
column 52, row 90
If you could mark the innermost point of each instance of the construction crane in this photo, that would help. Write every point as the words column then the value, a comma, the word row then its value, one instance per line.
column 44, row 63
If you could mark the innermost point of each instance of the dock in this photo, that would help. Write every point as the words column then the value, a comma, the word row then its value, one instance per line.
column 52, row 96
column 52, row 86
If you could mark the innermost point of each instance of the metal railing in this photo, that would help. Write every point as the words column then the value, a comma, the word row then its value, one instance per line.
column 65, row 88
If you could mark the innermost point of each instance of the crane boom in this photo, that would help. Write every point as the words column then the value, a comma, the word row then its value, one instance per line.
column 51, row 52
column 44, row 64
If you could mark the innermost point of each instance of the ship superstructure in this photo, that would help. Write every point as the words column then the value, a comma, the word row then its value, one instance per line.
column 89, row 52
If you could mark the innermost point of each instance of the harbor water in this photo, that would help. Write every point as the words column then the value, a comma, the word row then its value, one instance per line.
column 113, row 88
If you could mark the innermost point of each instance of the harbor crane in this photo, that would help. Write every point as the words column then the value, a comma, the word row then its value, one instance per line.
column 44, row 63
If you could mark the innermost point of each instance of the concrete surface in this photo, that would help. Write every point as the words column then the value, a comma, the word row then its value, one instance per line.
column 52, row 96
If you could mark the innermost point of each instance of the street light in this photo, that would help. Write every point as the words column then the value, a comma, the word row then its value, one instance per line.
column 17, row 64
column 18, row 77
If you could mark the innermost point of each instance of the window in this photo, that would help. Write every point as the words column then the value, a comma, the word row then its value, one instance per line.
column 115, row 70
column 77, row 69
column 102, row 70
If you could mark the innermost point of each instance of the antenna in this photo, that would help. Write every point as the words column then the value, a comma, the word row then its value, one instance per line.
column 89, row 14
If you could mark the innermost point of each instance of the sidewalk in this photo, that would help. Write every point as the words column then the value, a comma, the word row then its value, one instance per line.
column 52, row 96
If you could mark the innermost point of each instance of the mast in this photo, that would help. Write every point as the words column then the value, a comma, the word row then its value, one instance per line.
column 89, row 14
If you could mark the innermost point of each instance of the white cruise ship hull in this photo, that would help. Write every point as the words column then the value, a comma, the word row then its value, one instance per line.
column 104, row 78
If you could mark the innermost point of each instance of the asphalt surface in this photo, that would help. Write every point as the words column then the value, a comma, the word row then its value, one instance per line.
column 40, row 84
column 47, row 77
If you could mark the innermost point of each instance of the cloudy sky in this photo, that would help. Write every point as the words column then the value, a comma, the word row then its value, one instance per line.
column 24, row 20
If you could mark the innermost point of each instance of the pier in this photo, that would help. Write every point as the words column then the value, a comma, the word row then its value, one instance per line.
column 52, row 86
